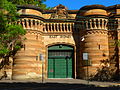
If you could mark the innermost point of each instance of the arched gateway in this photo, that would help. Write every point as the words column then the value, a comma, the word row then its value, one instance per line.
column 60, row 61
column 91, row 33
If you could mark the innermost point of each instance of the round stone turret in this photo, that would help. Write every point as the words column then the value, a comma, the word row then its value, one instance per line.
column 27, row 62
column 92, row 25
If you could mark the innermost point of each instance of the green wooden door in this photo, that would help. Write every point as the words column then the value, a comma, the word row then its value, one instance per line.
column 60, row 63
column 60, row 68
column 69, row 67
column 51, row 62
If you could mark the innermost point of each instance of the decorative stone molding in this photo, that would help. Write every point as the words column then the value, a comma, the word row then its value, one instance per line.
column 34, row 31
column 58, row 27
column 92, row 24
column 60, row 12
column 30, row 24
column 96, row 31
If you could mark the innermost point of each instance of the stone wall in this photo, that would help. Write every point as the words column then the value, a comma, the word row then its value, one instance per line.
column 88, row 30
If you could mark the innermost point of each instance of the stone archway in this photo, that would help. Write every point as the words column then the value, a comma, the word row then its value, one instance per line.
column 60, row 61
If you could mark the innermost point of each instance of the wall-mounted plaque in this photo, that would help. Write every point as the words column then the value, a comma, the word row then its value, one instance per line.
column 41, row 57
column 85, row 56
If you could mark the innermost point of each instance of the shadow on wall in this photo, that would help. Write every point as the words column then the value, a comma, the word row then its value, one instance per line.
column 3, row 65
column 106, row 72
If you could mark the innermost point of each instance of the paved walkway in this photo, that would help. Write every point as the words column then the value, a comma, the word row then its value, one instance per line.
column 65, row 81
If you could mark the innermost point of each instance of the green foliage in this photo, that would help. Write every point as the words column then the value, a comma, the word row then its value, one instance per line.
column 117, row 43
column 3, row 51
column 10, row 32
column 21, row 2
column 38, row 3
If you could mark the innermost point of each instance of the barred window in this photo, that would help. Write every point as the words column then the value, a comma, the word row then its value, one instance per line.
column 60, row 53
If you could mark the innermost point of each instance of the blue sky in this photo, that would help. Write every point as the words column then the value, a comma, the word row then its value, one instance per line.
column 77, row 4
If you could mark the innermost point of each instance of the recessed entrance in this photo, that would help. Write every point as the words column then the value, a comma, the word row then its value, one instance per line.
column 60, row 61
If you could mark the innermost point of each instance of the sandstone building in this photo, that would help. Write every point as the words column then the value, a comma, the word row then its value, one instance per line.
column 62, row 43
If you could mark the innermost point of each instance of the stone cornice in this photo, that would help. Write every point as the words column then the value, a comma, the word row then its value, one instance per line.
column 31, row 16
column 46, row 20
column 96, row 16
column 57, row 33
column 43, row 11
column 34, row 32
column 96, row 31
column 115, row 16
column 117, row 6
column 96, row 6
column 60, row 20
